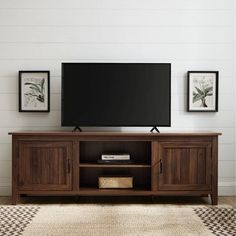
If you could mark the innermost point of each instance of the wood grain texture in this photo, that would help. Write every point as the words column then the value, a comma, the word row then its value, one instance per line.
column 61, row 163
column 186, row 166
column 114, row 134
column 114, row 165
column 214, row 174
column 15, row 171
column 155, row 166
column 45, row 166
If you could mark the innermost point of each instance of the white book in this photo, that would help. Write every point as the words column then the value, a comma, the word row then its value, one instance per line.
column 115, row 157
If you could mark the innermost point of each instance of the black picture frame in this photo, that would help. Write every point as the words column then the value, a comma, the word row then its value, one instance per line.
column 202, row 85
column 34, row 91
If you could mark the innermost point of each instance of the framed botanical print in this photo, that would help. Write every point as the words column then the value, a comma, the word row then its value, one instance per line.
column 34, row 87
column 203, row 91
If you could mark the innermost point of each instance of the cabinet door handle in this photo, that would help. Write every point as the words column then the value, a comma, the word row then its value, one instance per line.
column 161, row 166
column 68, row 165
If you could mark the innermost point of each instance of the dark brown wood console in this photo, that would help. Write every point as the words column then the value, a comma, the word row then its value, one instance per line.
column 65, row 163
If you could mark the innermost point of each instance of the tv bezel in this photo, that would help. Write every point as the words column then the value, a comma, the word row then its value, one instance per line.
column 112, row 125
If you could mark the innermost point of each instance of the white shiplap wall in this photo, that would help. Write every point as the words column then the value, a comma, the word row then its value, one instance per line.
column 191, row 34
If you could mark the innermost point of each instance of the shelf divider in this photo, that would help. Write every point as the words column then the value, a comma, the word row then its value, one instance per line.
column 96, row 165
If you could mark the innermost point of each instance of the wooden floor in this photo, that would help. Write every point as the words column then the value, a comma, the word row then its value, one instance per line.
column 230, row 201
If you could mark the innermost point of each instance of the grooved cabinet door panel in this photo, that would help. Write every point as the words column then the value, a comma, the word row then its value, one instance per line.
column 185, row 166
column 45, row 165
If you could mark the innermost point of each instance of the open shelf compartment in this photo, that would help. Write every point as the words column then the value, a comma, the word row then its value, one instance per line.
column 141, row 176
column 91, row 151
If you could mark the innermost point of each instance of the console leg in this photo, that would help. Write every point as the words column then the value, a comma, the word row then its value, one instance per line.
column 15, row 199
column 214, row 199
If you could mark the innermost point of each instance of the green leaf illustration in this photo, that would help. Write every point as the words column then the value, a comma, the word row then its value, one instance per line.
column 198, row 97
column 209, row 94
column 38, row 89
column 199, row 91
column 207, row 90
column 42, row 85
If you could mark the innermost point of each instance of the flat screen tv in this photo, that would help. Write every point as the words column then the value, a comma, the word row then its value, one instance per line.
column 116, row 94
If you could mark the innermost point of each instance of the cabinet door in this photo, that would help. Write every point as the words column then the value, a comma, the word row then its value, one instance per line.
column 184, row 166
column 45, row 165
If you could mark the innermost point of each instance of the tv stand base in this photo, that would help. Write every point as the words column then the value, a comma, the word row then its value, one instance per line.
column 77, row 128
column 155, row 128
column 75, row 171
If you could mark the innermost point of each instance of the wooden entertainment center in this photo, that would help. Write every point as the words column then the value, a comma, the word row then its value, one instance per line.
column 64, row 163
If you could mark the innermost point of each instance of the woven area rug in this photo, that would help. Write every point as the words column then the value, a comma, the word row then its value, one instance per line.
column 94, row 219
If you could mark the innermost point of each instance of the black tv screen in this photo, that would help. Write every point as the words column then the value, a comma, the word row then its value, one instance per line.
column 116, row 94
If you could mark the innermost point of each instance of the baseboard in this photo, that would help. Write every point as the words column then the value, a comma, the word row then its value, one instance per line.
column 227, row 188
column 5, row 189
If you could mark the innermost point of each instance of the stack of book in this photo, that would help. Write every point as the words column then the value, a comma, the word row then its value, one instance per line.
column 114, row 158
